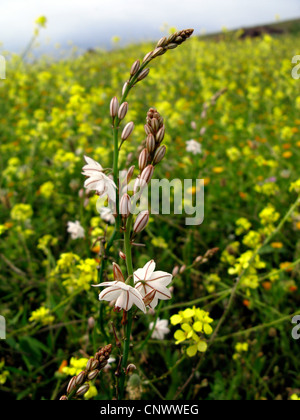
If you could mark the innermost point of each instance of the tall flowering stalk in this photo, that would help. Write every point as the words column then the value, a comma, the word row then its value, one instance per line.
column 144, row 287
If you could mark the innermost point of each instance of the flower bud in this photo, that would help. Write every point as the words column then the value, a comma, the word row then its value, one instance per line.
column 162, row 42
column 127, row 131
column 114, row 107
column 182, row 269
column 148, row 129
column 71, row 385
column 94, row 365
column 82, row 390
column 175, row 271
column 125, row 206
column 63, row 398
column 150, row 143
column 135, row 67
column 91, row 323
column 143, row 159
column 124, row 88
column 171, row 46
column 92, row 375
column 155, row 125
column 80, row 378
column 129, row 174
column 141, row 221
column 158, row 51
column 118, row 275
column 159, row 155
column 143, row 74
column 161, row 134
column 89, row 363
column 147, row 174
column 148, row 57
column 122, row 255
column 123, row 111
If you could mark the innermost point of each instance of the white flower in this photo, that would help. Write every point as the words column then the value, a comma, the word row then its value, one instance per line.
column 106, row 214
column 76, row 230
column 149, row 281
column 97, row 180
column 124, row 295
column 160, row 330
column 194, row 147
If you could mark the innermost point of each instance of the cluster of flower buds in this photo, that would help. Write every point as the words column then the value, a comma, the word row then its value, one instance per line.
column 198, row 261
column 155, row 131
column 118, row 111
column 78, row 385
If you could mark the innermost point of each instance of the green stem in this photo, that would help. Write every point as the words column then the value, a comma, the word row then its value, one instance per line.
column 127, row 249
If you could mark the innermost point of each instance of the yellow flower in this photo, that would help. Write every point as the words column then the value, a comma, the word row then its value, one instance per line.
column 218, row 170
column 42, row 315
column 21, row 212
column 277, row 245
column 295, row 397
column 243, row 225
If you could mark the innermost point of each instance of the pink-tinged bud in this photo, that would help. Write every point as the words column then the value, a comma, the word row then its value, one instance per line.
column 150, row 143
column 130, row 174
column 63, row 398
column 147, row 174
column 161, row 134
column 123, row 111
column 125, row 87
column 202, row 131
column 148, row 57
column 143, row 159
column 89, row 363
column 141, row 221
column 94, row 365
column 80, row 378
column 155, row 125
column 114, row 107
column 91, row 323
column 182, row 269
column 159, row 154
column 175, row 271
column 143, row 74
column 118, row 275
column 127, row 131
column 158, row 51
column 83, row 390
column 198, row 259
column 92, row 375
column 162, row 42
column 122, row 255
column 71, row 385
column 148, row 129
column 135, row 67
column 149, row 297
column 125, row 206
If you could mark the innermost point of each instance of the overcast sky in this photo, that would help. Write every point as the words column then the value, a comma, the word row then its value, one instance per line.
column 92, row 23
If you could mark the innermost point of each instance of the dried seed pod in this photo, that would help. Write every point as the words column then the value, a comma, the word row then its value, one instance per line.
column 141, row 221
column 150, row 143
column 114, row 107
column 123, row 111
column 143, row 159
column 83, row 390
column 127, row 131
column 125, row 206
column 159, row 155
column 135, row 67
column 143, row 74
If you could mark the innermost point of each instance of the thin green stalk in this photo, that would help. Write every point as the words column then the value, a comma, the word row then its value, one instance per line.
column 128, row 253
